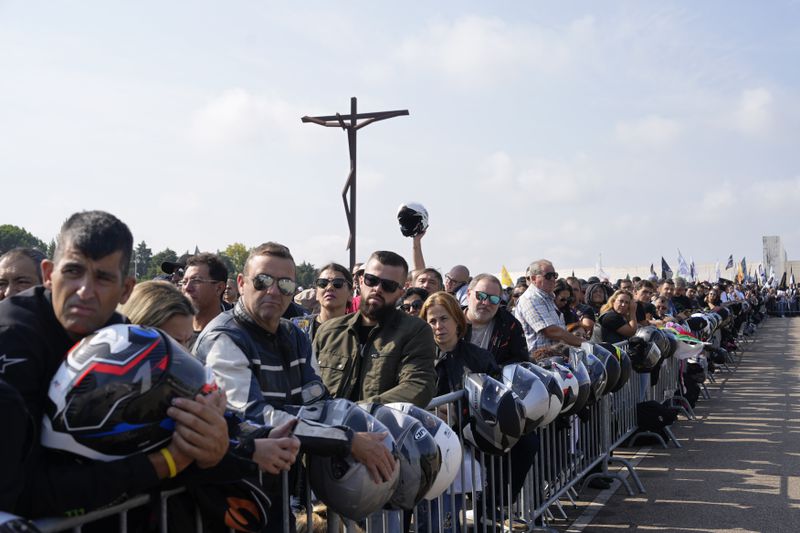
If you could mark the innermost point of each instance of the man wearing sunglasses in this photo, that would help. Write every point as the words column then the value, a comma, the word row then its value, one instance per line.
column 378, row 354
column 455, row 282
column 264, row 361
column 491, row 326
column 536, row 309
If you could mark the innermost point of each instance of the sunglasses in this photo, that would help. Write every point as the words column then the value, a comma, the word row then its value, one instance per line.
column 388, row 285
column 482, row 297
column 416, row 305
column 263, row 282
column 337, row 283
column 550, row 275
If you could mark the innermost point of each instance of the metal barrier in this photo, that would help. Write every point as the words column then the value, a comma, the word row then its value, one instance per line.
column 570, row 453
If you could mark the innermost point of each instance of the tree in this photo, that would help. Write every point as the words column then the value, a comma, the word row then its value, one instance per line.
column 13, row 236
column 141, row 257
column 154, row 267
column 306, row 274
column 51, row 249
column 228, row 264
column 237, row 252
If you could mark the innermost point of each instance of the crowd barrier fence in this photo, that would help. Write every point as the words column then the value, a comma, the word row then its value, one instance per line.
column 570, row 454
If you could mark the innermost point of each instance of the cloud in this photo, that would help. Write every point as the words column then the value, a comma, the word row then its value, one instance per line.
column 488, row 50
column 240, row 116
column 754, row 115
column 652, row 130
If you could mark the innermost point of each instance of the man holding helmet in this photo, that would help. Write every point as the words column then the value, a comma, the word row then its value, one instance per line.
column 87, row 278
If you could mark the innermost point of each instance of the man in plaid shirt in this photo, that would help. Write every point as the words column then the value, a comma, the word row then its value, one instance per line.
column 536, row 310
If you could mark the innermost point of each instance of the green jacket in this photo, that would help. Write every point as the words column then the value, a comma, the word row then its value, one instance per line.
column 395, row 364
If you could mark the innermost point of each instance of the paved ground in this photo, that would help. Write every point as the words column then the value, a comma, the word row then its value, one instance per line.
column 739, row 469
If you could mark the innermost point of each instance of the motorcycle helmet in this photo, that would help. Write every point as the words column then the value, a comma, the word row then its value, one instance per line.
column 342, row 483
column 555, row 391
column 724, row 313
column 566, row 379
column 597, row 377
column 413, row 218
column 654, row 335
column 532, row 394
column 611, row 364
column 447, row 441
column 697, row 322
column 644, row 355
column 109, row 398
column 419, row 455
column 672, row 341
column 496, row 416
column 625, row 366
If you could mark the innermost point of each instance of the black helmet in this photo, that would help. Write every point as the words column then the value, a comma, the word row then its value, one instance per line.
column 697, row 322
column 673, row 343
column 644, row 355
column 496, row 417
column 419, row 455
column 656, row 336
column 110, row 396
column 611, row 364
column 413, row 218
column 625, row 366
column 342, row 483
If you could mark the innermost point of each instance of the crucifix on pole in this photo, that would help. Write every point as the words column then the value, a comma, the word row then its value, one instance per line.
column 351, row 125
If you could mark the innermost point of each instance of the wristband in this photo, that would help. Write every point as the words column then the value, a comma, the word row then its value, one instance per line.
column 173, row 470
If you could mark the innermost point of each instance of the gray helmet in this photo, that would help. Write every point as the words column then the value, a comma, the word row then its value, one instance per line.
column 597, row 376
column 612, row 365
column 343, row 483
column 447, row 441
column 656, row 336
column 672, row 341
column 532, row 394
column 496, row 416
column 566, row 379
column 419, row 455
column 644, row 355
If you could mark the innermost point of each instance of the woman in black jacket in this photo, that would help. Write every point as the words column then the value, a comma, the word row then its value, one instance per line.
column 456, row 357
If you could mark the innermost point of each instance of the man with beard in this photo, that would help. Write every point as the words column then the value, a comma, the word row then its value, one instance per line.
column 378, row 354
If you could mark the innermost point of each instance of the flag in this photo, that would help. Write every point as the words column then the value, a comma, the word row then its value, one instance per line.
column 627, row 276
column 683, row 268
column 782, row 284
column 730, row 262
column 771, row 280
column 741, row 271
column 652, row 270
column 599, row 272
column 717, row 274
column 666, row 271
column 505, row 277
column 791, row 278
column 692, row 269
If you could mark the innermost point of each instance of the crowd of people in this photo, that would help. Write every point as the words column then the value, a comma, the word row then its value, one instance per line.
column 382, row 332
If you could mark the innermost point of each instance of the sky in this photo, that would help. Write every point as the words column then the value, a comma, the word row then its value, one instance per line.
column 536, row 129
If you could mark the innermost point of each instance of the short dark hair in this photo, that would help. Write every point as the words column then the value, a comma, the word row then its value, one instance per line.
column 37, row 256
column 341, row 269
column 388, row 258
column 562, row 285
column 216, row 268
column 433, row 271
column 415, row 291
column 96, row 234
column 644, row 283
column 270, row 248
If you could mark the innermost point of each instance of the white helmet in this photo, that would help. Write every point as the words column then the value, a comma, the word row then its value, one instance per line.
column 532, row 394
column 446, row 439
column 343, row 483
column 555, row 391
column 496, row 417
column 419, row 455
column 566, row 378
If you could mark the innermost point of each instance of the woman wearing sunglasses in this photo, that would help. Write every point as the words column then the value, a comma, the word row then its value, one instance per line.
column 334, row 290
column 412, row 300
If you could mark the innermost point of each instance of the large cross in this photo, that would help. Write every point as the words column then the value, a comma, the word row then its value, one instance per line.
column 351, row 125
